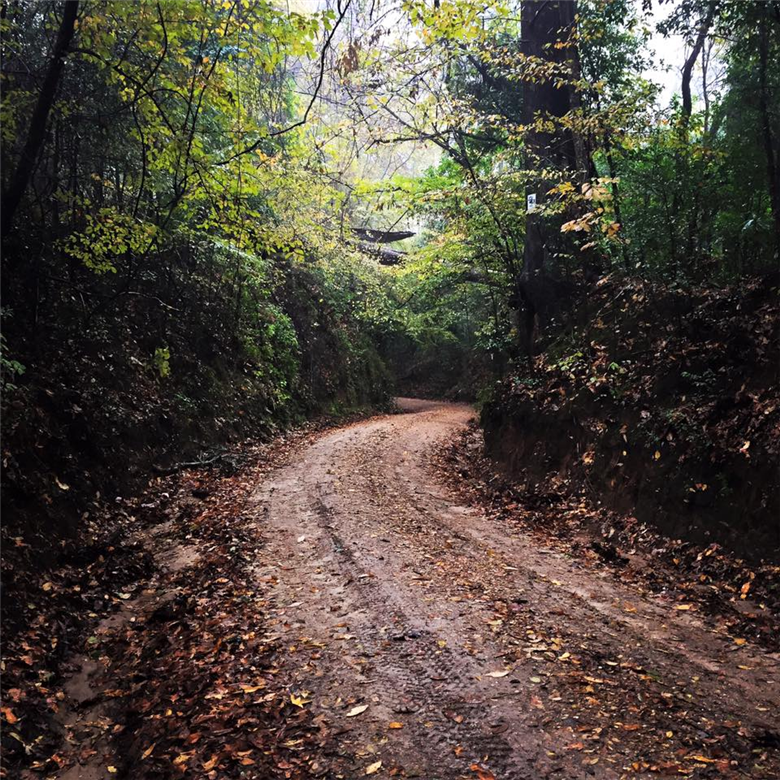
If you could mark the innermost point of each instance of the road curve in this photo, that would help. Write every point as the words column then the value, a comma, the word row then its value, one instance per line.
column 477, row 652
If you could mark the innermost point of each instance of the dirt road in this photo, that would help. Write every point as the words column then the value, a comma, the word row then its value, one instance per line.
column 432, row 640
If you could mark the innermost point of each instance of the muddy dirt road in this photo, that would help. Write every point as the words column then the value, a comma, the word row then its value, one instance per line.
column 442, row 645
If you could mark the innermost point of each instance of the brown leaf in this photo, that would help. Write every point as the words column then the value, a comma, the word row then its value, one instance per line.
column 211, row 763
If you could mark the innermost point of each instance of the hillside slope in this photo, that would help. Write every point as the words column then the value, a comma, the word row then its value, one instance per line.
column 659, row 402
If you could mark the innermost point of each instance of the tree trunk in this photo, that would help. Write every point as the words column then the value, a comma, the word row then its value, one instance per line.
column 32, row 146
column 687, row 71
column 773, row 174
column 543, row 23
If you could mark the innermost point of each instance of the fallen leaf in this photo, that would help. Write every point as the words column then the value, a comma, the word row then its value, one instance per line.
column 148, row 751
column 683, row 606
column 372, row 768
column 740, row 641
column 502, row 673
column 298, row 701
column 482, row 774
column 395, row 725
column 357, row 710
column 9, row 716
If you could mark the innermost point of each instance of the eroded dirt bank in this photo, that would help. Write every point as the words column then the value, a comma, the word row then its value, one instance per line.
column 339, row 612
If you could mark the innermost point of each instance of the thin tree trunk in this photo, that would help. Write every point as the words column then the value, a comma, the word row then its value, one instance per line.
column 21, row 177
column 687, row 71
column 705, row 65
column 766, row 121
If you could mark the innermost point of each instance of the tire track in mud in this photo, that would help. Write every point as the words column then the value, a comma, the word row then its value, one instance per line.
column 406, row 676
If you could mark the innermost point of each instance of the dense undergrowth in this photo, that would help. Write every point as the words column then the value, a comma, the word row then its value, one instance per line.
column 171, row 370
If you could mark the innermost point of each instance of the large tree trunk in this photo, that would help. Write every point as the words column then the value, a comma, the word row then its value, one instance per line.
column 543, row 23
column 35, row 135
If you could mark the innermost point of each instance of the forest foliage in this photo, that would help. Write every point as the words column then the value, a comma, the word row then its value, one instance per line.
column 182, row 180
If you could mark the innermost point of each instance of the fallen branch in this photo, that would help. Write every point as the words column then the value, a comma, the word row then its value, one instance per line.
column 193, row 464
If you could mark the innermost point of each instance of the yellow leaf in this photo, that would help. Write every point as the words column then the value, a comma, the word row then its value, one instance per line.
column 112, row 770
column 683, row 606
column 502, row 673
column 657, row 455
column 357, row 710
column 298, row 701
column 47, row 586
column 395, row 725
column 372, row 768
column 740, row 642
column 148, row 751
